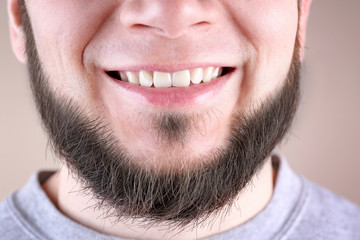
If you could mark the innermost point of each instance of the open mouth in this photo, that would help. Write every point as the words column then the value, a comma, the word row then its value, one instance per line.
column 183, row 78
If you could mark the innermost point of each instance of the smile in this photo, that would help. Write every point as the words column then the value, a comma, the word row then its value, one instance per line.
column 157, row 79
column 183, row 88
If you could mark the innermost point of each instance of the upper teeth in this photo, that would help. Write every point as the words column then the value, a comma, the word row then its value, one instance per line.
column 177, row 79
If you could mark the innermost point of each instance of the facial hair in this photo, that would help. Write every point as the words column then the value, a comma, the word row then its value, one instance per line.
column 125, row 190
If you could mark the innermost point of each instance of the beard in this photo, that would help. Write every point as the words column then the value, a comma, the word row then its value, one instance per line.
column 124, row 189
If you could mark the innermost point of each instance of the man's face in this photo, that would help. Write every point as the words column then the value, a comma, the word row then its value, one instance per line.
column 84, row 48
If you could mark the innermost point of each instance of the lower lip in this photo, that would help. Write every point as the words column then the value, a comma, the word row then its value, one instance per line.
column 174, row 97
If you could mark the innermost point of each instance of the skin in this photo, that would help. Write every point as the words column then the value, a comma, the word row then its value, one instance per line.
column 255, row 37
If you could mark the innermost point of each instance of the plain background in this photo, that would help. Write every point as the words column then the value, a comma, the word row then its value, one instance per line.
column 323, row 144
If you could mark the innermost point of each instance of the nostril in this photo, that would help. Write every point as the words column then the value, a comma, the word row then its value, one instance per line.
column 140, row 26
column 144, row 27
column 167, row 18
column 202, row 23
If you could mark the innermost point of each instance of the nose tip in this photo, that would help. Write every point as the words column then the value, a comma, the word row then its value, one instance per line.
column 167, row 18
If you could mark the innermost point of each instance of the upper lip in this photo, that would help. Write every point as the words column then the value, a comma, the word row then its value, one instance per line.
column 163, row 68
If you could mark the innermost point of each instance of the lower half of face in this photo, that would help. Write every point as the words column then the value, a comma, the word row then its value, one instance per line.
column 161, row 162
column 166, row 127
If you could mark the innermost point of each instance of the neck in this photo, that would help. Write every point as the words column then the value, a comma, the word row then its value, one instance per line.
column 65, row 192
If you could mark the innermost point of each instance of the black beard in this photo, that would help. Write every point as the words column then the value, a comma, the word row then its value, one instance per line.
column 124, row 189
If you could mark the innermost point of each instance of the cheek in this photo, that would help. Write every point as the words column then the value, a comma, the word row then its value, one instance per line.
column 270, row 27
column 267, row 22
column 62, row 31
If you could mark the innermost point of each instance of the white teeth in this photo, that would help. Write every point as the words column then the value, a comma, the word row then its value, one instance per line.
column 208, row 74
column 162, row 79
column 181, row 78
column 132, row 77
column 196, row 75
column 220, row 72
column 177, row 79
column 215, row 73
column 145, row 78
column 123, row 77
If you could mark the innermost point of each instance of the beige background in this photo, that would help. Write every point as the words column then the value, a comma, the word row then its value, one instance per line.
column 323, row 144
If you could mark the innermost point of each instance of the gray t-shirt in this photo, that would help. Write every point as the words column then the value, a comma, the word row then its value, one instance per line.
column 298, row 210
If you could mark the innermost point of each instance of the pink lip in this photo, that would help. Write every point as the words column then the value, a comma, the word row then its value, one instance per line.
column 164, row 68
column 175, row 97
